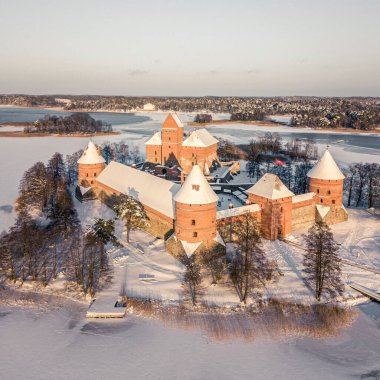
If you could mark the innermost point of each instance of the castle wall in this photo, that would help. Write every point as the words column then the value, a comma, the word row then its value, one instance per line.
column 328, row 192
column 335, row 215
column 87, row 173
column 197, row 155
column 303, row 214
column 153, row 154
column 195, row 223
column 276, row 215
column 159, row 225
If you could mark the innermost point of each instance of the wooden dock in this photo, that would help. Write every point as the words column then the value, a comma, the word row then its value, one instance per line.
column 367, row 292
column 103, row 308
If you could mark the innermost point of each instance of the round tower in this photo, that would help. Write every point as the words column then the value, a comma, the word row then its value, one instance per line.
column 195, row 209
column 90, row 165
column 326, row 181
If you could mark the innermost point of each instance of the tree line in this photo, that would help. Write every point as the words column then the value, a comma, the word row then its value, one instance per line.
column 48, row 238
column 76, row 123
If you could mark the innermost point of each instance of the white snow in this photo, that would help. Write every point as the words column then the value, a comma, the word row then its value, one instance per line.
column 155, row 139
column 323, row 210
column 196, row 189
column 91, row 156
column 200, row 138
column 303, row 197
column 236, row 211
column 177, row 119
column 152, row 191
column 271, row 187
column 326, row 168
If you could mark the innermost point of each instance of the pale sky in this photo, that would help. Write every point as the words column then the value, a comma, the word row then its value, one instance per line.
column 190, row 47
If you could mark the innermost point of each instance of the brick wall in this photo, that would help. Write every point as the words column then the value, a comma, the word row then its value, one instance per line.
column 197, row 155
column 195, row 223
column 328, row 192
column 153, row 154
column 87, row 173
column 303, row 214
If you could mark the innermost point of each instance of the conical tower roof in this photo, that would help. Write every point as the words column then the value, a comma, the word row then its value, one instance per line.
column 196, row 189
column 326, row 168
column 271, row 187
column 90, row 155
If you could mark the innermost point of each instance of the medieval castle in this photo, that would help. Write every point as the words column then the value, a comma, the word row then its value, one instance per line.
column 186, row 214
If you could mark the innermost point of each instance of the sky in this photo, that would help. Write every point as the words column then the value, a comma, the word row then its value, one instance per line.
column 190, row 47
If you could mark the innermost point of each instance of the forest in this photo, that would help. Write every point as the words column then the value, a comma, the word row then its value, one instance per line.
column 76, row 123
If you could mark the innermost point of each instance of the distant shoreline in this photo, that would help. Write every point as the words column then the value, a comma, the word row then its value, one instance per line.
column 266, row 123
column 24, row 134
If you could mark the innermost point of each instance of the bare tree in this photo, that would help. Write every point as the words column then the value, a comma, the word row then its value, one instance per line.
column 192, row 280
column 321, row 261
column 249, row 268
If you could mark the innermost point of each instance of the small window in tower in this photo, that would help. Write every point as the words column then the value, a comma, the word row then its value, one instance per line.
column 192, row 163
column 169, row 146
column 92, row 182
column 94, row 174
column 195, row 234
column 317, row 191
column 192, row 154
column 86, row 174
column 155, row 159
column 170, row 138
column 321, row 200
column 328, row 192
column 155, row 152
column 193, row 222
column 333, row 201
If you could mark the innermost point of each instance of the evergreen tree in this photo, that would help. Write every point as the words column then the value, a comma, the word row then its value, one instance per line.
column 133, row 213
column 321, row 261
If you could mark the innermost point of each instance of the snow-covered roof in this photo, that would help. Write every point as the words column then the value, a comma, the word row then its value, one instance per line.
column 152, row 191
column 177, row 120
column 271, row 187
column 200, row 138
column 303, row 197
column 236, row 211
column 326, row 168
column 90, row 155
column 196, row 189
column 323, row 210
column 155, row 139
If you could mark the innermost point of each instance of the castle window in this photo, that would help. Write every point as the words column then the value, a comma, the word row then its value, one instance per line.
column 92, row 182
column 192, row 163
column 195, row 234
column 333, row 201
column 328, row 192
column 317, row 191
column 155, row 159
column 86, row 174
column 170, row 138
column 321, row 200
column 155, row 152
column 94, row 174
column 192, row 154
column 193, row 222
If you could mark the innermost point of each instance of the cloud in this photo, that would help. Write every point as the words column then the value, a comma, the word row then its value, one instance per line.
column 213, row 72
column 253, row 71
column 137, row 72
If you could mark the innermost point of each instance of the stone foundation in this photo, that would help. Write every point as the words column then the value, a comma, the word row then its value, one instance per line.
column 335, row 215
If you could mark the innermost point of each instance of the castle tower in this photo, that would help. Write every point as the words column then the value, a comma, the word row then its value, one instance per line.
column 171, row 140
column 326, row 181
column 90, row 165
column 275, row 200
column 195, row 209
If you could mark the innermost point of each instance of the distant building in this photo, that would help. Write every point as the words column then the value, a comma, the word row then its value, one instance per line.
column 186, row 215
column 149, row 107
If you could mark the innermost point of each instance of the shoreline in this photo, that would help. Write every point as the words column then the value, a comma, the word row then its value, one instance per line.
column 267, row 123
column 78, row 135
